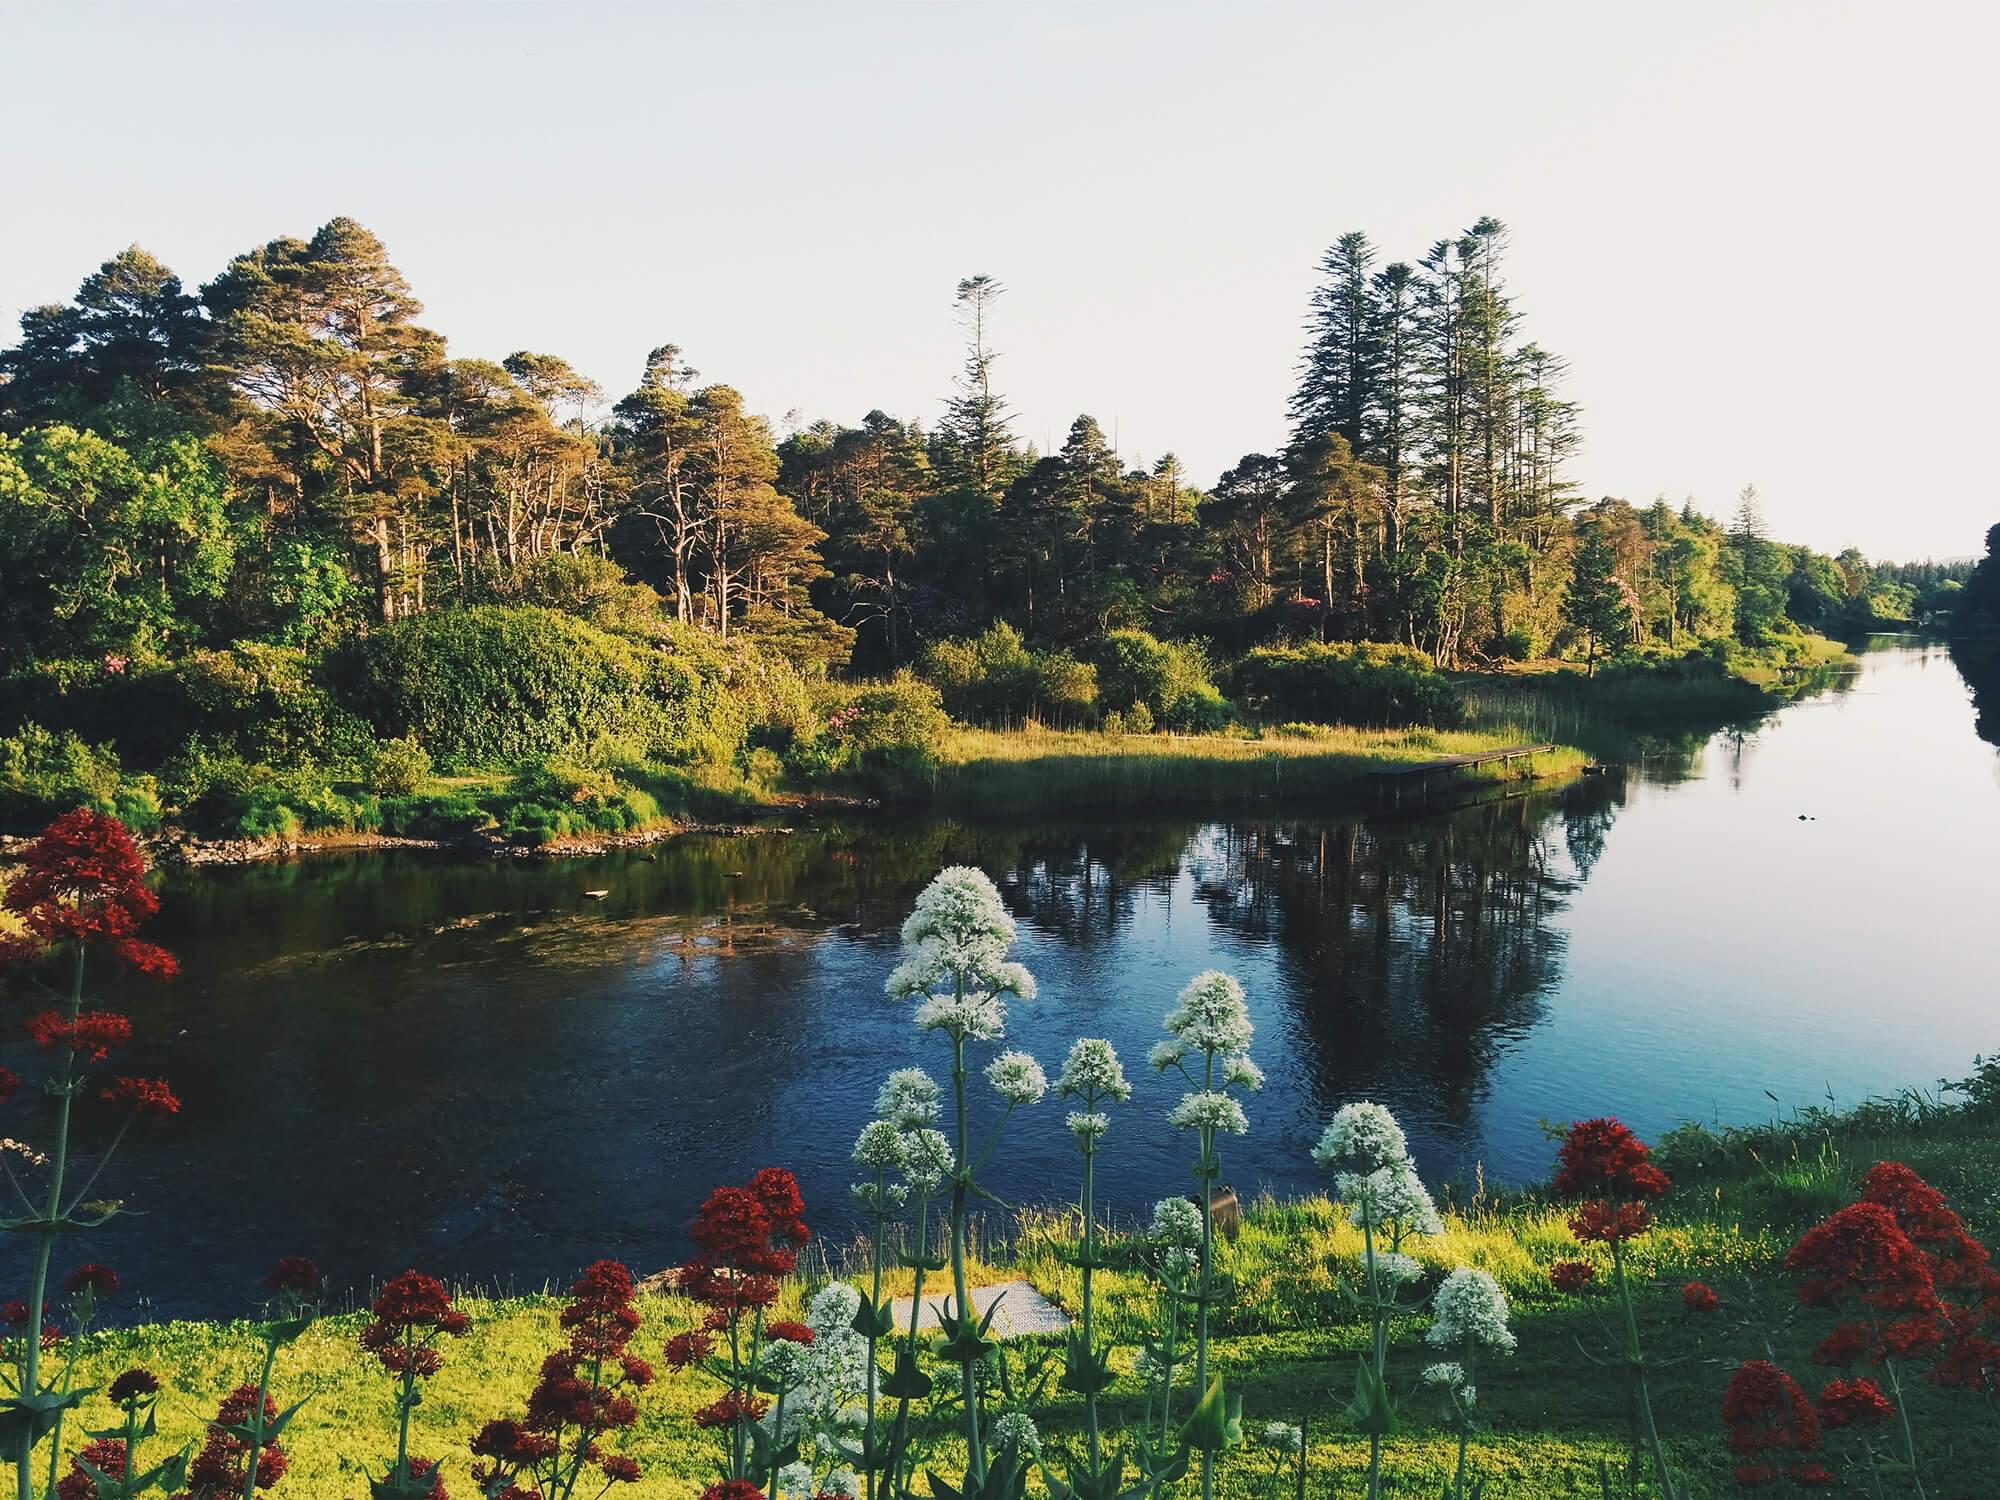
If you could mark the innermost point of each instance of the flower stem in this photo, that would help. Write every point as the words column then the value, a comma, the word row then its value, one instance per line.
column 257, row 1419
column 961, row 1183
column 1637, row 1362
column 1205, row 1175
column 1903, row 1422
column 1089, row 1262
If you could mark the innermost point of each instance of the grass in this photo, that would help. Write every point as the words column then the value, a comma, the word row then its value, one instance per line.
column 1286, row 1337
column 1017, row 770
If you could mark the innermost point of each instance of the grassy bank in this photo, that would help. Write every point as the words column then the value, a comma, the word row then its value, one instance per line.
column 1287, row 1335
column 1020, row 770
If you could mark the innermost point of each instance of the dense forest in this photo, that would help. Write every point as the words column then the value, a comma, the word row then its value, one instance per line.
column 270, row 536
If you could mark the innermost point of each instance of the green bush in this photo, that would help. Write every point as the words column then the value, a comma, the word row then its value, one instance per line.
column 491, row 685
column 43, row 775
column 1365, row 683
column 886, row 735
column 398, row 767
column 446, row 815
column 231, row 798
column 994, row 679
column 581, row 798
column 1199, row 710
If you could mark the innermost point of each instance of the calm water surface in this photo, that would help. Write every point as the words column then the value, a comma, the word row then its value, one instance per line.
column 469, row 1067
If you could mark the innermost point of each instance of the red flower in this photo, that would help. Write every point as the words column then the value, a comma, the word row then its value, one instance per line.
column 790, row 1332
column 1603, row 1159
column 618, row 1467
column 106, row 1455
column 134, row 1385
column 637, row 1371
column 409, row 1303
column 295, row 1274
column 1844, row 1345
column 1609, row 1222
column 1854, row 1403
column 1571, row 1276
column 1765, row 1409
column 94, row 1032
column 1699, row 1297
column 146, row 1096
column 419, row 1468
column 101, row 1281
column 9, row 1082
column 732, row 1489
column 1954, row 1257
column 1861, row 1252
column 684, row 1349
column 84, row 882
column 222, row 1466
column 14, row 1313
column 602, row 1319
column 729, row 1409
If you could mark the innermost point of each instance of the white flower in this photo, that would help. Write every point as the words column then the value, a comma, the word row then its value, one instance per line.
column 927, row 1160
column 1283, row 1436
column 1018, row 1428
column 1445, row 1372
column 832, row 1310
column 892, row 1197
column 784, row 1361
column 1092, row 1071
column 1017, row 1078
column 959, row 903
column 1180, row 1262
column 1469, row 1395
column 1237, row 1069
column 1088, row 1127
column 1211, row 1015
column 1165, row 1054
column 879, row 1147
column 1470, row 1309
column 910, row 1099
column 1389, row 1195
column 797, row 1479
column 1175, row 1222
column 1396, row 1266
column 1361, row 1138
column 1148, row 1367
column 976, row 1018
column 1207, row 1109
column 843, row 1482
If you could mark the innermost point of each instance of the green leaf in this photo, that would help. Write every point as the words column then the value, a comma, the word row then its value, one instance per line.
column 1085, row 1370
column 874, row 1322
column 1373, row 1409
column 1216, row 1422
column 906, row 1381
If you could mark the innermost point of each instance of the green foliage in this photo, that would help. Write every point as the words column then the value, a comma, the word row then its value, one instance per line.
column 552, row 797
column 885, row 736
column 995, row 679
column 1364, row 683
column 495, row 685
column 398, row 767
column 1596, row 603
column 437, row 815
column 308, row 591
column 587, row 585
column 106, row 551
column 1151, row 682
column 228, row 797
column 43, row 774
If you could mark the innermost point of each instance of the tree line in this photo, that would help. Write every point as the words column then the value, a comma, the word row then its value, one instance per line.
column 289, row 454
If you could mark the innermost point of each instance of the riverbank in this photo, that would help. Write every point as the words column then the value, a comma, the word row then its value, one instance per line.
column 1286, row 1337
column 1026, row 770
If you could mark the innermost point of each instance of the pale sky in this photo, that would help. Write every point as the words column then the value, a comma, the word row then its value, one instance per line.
column 1760, row 232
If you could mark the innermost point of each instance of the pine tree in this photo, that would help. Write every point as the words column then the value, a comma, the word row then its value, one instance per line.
column 1338, row 373
column 976, row 419
column 1595, row 601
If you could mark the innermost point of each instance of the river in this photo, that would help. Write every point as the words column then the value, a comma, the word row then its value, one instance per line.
column 470, row 1067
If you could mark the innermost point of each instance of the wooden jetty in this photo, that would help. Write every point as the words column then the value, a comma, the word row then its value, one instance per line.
column 1417, row 775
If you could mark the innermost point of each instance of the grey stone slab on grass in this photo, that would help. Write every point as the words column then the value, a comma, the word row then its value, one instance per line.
column 1022, row 1309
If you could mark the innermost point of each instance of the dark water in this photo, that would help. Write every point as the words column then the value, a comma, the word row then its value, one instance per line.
column 469, row 1067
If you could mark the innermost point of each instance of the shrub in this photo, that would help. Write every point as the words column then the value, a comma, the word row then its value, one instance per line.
column 1139, row 718
column 43, row 774
column 1366, row 684
column 1200, row 710
column 995, row 679
column 240, row 800
column 582, row 584
column 492, row 685
column 888, row 735
column 444, row 815
column 552, row 796
column 398, row 768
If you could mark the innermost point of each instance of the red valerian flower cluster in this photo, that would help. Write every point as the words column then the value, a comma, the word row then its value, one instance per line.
column 83, row 881
column 410, row 1315
column 93, row 1033
column 732, row 1489
column 1859, row 1256
column 100, row 1281
column 14, row 1314
column 294, row 1274
column 748, row 1237
column 106, row 1455
column 685, row 1349
column 144, row 1096
column 1770, row 1425
column 1607, row 1172
column 1699, row 1297
column 1571, row 1276
column 1854, row 1403
column 584, row 1393
column 133, row 1386
column 221, row 1469
column 730, row 1408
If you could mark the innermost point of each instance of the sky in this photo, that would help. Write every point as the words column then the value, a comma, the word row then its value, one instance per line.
column 1758, row 231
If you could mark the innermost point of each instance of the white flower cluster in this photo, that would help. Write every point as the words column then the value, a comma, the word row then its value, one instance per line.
column 1018, row 1428
column 902, row 1142
column 1088, row 1126
column 1092, row 1072
column 1470, row 1310
column 1389, row 1197
column 1017, row 1078
column 1176, row 1222
column 1394, row 1266
column 955, row 958
column 825, row 1379
column 927, row 1160
column 1283, row 1436
column 796, row 1482
column 1361, row 1137
column 1207, row 1109
column 879, row 1147
column 910, row 1099
column 1451, row 1376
